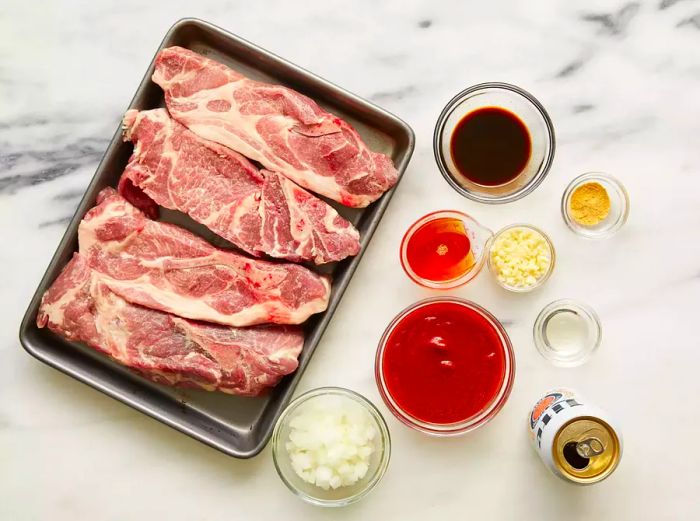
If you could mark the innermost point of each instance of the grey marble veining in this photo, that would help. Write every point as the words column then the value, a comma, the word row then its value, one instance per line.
column 620, row 81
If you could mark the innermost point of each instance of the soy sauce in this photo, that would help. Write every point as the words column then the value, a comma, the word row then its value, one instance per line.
column 490, row 146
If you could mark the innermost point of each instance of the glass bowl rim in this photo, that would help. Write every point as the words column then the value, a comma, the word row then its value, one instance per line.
column 384, row 435
column 448, row 284
column 538, row 332
column 543, row 278
column 592, row 177
column 458, row 428
column 536, row 179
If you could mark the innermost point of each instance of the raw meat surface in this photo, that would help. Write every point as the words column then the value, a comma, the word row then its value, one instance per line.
column 259, row 211
column 165, row 267
column 281, row 129
column 162, row 347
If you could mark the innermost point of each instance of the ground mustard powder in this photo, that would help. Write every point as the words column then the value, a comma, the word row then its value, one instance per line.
column 590, row 204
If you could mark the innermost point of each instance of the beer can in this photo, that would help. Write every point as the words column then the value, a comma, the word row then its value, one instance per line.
column 576, row 440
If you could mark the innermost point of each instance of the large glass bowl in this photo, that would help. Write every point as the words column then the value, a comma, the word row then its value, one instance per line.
column 469, row 424
column 343, row 495
column 531, row 113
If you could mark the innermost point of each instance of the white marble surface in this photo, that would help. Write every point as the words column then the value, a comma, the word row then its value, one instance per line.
column 621, row 82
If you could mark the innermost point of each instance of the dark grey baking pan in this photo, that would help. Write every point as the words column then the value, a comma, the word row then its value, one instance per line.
column 237, row 426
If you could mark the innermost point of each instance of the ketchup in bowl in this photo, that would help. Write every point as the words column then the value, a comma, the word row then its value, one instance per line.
column 445, row 366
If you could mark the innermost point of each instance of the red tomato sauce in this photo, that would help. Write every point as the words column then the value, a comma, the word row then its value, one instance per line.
column 444, row 363
column 440, row 250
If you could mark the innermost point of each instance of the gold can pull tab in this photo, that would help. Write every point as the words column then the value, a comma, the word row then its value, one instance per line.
column 590, row 447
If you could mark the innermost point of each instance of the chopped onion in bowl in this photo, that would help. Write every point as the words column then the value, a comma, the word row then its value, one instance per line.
column 330, row 442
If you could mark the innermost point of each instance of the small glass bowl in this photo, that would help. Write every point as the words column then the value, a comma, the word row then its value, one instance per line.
column 542, row 279
column 589, row 341
column 479, row 237
column 341, row 496
column 450, row 429
column 522, row 104
column 619, row 206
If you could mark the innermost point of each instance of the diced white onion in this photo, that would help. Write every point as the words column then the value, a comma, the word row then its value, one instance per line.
column 331, row 441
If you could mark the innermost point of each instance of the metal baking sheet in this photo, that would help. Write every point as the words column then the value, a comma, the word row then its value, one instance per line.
column 237, row 426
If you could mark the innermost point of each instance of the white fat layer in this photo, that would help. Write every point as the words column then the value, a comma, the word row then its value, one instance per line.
column 55, row 311
column 304, row 233
column 200, row 309
column 108, row 323
column 240, row 209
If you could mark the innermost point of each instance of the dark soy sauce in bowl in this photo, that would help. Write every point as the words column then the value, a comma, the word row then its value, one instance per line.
column 490, row 146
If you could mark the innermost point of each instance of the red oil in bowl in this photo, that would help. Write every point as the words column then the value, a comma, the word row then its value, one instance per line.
column 445, row 366
column 444, row 249
column 440, row 250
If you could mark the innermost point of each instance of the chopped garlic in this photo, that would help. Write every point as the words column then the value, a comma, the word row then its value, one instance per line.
column 520, row 257
column 330, row 442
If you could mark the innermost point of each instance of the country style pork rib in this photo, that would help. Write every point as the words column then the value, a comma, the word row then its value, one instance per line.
column 165, row 267
column 162, row 347
column 276, row 126
column 259, row 211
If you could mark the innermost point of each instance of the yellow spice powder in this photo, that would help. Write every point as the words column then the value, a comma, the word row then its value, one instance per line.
column 590, row 204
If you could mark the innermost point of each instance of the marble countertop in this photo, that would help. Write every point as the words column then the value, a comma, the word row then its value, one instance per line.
column 620, row 81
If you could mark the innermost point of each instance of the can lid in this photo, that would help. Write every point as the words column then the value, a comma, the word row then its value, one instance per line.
column 586, row 449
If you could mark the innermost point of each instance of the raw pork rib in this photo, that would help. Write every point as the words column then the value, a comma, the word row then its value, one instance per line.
column 276, row 126
column 165, row 267
column 259, row 211
column 164, row 348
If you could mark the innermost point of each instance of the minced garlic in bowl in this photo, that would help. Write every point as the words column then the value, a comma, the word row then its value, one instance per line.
column 521, row 257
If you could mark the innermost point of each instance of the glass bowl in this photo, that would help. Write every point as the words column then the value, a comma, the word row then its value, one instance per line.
column 478, row 235
column 379, row 460
column 574, row 343
column 619, row 206
column 451, row 429
column 530, row 112
column 542, row 279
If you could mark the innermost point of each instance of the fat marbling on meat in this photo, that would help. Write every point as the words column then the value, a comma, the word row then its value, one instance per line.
column 162, row 347
column 278, row 127
column 165, row 267
column 259, row 211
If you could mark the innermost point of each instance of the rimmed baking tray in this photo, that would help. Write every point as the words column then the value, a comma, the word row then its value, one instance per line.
column 237, row 426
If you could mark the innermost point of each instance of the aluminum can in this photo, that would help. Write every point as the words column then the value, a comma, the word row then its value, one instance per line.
column 576, row 440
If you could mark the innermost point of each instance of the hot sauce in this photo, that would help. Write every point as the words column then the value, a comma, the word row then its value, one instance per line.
column 444, row 363
column 440, row 250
